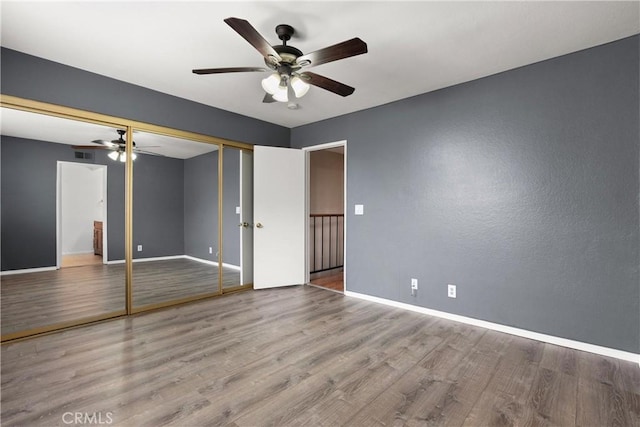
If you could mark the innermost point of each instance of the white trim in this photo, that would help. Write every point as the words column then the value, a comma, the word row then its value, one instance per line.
column 157, row 258
column 564, row 342
column 77, row 253
column 59, row 182
column 325, row 146
column 165, row 258
column 27, row 270
column 214, row 263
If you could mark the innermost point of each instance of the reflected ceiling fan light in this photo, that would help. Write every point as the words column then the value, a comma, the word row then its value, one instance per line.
column 133, row 156
column 113, row 155
column 123, row 157
column 271, row 83
column 281, row 94
column 300, row 87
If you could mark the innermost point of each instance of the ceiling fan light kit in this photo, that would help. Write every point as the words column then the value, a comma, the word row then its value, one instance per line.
column 117, row 147
column 287, row 63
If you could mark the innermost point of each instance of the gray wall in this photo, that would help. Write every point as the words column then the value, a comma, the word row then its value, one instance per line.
column 28, row 200
column 35, row 78
column 158, row 206
column 520, row 188
column 201, row 206
column 231, row 199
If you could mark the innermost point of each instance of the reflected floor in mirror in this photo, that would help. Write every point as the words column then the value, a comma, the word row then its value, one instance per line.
column 33, row 300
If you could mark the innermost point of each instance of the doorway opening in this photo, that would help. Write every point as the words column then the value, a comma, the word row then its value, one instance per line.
column 326, row 190
column 81, row 201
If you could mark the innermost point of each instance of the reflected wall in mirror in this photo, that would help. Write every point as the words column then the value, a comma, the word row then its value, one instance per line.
column 175, row 220
column 237, row 220
column 62, row 223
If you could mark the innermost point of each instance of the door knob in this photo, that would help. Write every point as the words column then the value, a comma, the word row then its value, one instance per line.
column 244, row 224
column 259, row 225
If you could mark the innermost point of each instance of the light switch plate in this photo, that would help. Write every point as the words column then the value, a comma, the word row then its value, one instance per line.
column 359, row 210
column 238, row 210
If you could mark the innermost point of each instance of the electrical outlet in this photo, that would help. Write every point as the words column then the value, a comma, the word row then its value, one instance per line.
column 139, row 248
column 414, row 284
column 451, row 291
column 210, row 250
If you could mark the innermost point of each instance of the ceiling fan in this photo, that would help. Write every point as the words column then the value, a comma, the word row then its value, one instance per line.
column 287, row 62
column 117, row 147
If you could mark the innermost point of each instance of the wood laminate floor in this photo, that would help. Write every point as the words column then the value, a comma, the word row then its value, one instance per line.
column 33, row 300
column 78, row 260
column 307, row 356
column 333, row 279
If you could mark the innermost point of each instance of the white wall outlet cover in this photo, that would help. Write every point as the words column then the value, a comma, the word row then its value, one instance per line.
column 359, row 210
column 139, row 248
column 451, row 291
column 414, row 283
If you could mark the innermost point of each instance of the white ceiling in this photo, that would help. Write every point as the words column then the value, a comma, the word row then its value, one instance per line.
column 41, row 127
column 414, row 47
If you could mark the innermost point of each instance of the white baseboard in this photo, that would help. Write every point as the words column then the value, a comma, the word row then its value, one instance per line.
column 157, row 258
column 27, row 270
column 78, row 253
column 563, row 342
column 214, row 263
column 164, row 258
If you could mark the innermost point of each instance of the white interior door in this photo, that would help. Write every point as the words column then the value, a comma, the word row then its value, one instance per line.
column 279, row 216
column 246, row 217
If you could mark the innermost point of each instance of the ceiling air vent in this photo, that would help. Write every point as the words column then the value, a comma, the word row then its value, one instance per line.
column 81, row 155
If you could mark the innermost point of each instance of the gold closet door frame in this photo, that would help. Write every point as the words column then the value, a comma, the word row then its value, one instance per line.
column 17, row 103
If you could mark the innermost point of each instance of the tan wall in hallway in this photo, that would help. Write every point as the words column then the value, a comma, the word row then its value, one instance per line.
column 326, row 182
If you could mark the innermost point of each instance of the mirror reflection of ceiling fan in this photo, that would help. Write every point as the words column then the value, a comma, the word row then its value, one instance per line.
column 287, row 63
column 117, row 147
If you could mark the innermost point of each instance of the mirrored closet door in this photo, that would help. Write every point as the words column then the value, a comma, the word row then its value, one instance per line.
column 237, row 219
column 62, row 233
column 175, row 220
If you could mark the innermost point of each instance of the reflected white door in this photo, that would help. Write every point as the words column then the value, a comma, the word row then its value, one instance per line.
column 279, row 217
column 246, row 217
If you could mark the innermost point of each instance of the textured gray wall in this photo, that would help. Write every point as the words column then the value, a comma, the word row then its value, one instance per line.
column 158, row 206
column 520, row 188
column 35, row 78
column 201, row 206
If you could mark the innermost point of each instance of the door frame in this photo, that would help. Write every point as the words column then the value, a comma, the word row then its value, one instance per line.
column 307, row 168
column 104, row 169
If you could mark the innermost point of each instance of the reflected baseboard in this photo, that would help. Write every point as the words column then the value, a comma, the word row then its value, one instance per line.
column 215, row 263
column 121, row 261
column 164, row 258
column 157, row 258
column 27, row 270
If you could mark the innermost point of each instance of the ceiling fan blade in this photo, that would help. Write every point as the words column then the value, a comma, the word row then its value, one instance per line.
column 268, row 99
column 327, row 84
column 137, row 151
column 338, row 51
column 254, row 38
column 91, row 147
column 103, row 142
column 227, row 70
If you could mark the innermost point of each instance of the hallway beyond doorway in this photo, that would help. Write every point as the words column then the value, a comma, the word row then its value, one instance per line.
column 332, row 279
